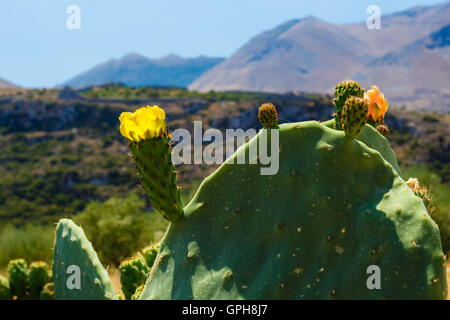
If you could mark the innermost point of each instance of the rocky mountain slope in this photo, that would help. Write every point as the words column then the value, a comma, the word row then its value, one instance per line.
column 409, row 58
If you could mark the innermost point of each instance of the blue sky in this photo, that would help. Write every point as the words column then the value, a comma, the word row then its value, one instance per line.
column 37, row 49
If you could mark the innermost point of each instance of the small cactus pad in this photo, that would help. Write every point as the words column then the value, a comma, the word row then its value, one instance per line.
column 38, row 277
column 354, row 116
column 77, row 271
column 133, row 273
column 5, row 291
column 383, row 130
column 342, row 92
column 150, row 254
column 336, row 208
column 157, row 175
column 267, row 115
column 18, row 277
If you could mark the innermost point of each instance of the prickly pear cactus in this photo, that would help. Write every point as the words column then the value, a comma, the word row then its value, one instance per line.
column 77, row 271
column 5, row 291
column 133, row 273
column 336, row 208
column 18, row 277
column 150, row 147
column 38, row 277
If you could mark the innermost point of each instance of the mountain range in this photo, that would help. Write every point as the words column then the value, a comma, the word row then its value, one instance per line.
column 6, row 84
column 409, row 58
column 137, row 70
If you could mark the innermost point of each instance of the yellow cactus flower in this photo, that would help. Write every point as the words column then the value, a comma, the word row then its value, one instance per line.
column 145, row 123
column 378, row 104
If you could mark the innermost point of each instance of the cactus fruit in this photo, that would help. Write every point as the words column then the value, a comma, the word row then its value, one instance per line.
column 38, row 276
column 354, row 116
column 151, row 149
column 133, row 273
column 343, row 91
column 383, row 130
column 267, row 115
column 77, row 271
column 5, row 291
column 335, row 209
column 18, row 277
column 150, row 254
column 48, row 291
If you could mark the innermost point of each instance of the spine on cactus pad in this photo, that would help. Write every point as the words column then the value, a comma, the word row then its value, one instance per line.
column 150, row 148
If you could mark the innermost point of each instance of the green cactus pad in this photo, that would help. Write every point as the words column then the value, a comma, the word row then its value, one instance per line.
column 38, row 276
column 342, row 92
column 133, row 273
column 48, row 291
column 73, row 254
column 312, row 231
column 18, row 277
column 157, row 175
column 5, row 291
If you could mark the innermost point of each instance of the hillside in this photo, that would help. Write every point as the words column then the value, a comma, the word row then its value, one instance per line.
column 136, row 70
column 309, row 54
column 6, row 84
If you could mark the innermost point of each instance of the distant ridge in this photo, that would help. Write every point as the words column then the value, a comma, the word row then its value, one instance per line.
column 6, row 84
column 137, row 70
column 409, row 58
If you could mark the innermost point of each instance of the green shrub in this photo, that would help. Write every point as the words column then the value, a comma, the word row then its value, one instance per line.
column 119, row 227
column 34, row 243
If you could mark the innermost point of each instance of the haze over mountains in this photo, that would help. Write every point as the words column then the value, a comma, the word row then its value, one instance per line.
column 409, row 58
column 136, row 70
column 6, row 84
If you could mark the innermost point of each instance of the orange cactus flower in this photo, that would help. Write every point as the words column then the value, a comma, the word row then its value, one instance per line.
column 378, row 104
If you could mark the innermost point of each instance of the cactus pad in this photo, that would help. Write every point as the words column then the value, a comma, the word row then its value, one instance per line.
column 336, row 207
column 38, row 277
column 157, row 175
column 133, row 273
column 74, row 257
column 18, row 277
column 5, row 291
column 354, row 116
column 342, row 92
